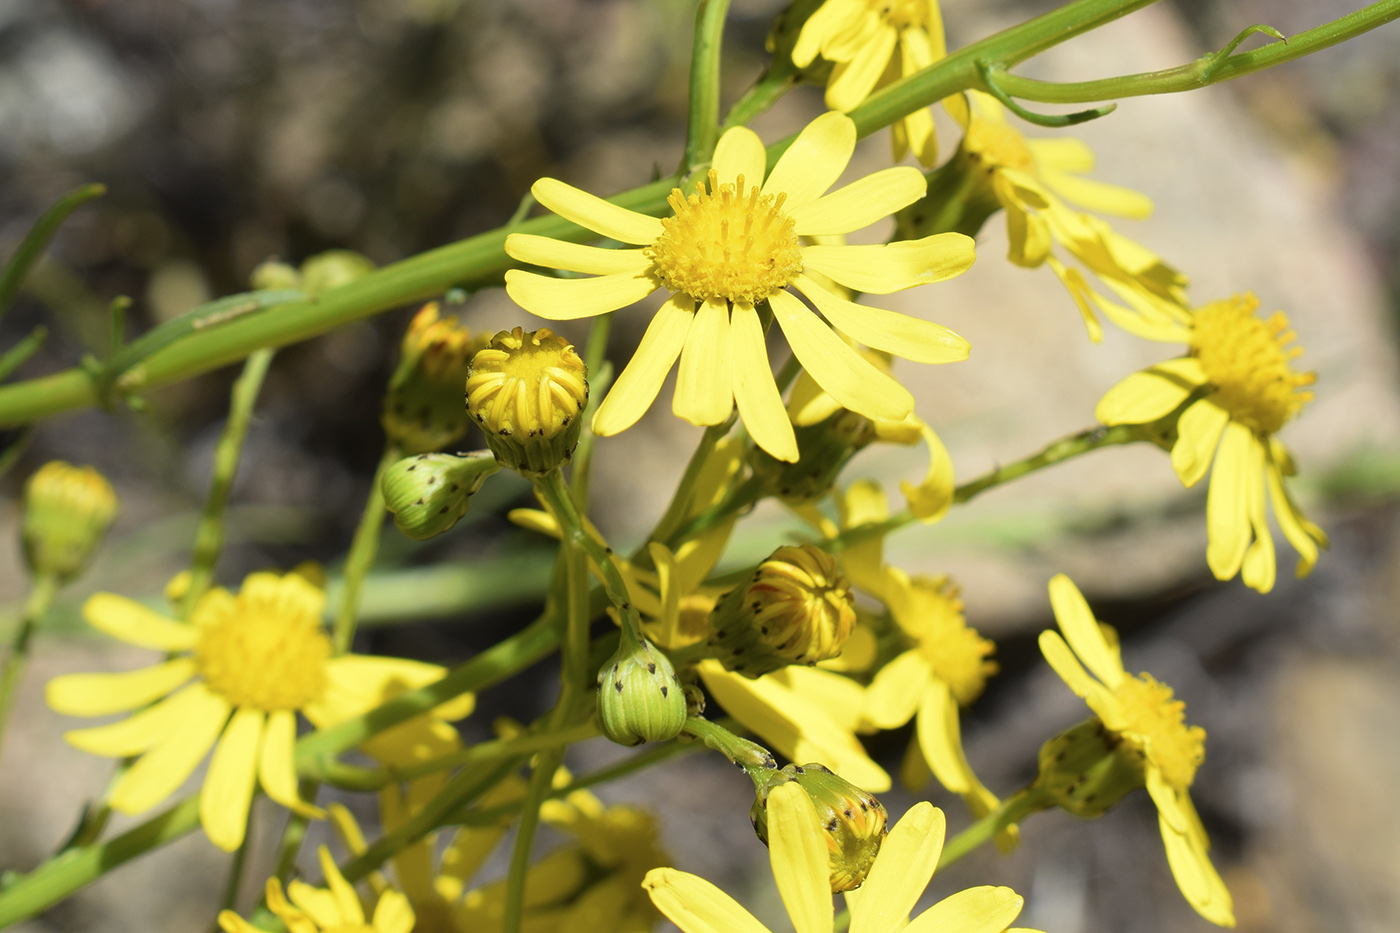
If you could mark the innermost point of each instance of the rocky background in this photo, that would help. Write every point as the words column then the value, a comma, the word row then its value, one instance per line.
column 229, row 131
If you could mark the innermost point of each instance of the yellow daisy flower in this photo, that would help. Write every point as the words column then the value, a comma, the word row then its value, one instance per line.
column 729, row 248
column 336, row 908
column 798, row 853
column 1143, row 715
column 874, row 44
column 1239, row 365
column 242, row 667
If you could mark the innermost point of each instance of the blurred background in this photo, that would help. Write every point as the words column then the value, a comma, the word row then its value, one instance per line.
column 230, row 132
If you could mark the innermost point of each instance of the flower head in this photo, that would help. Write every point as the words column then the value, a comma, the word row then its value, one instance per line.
column 1150, row 727
column 67, row 510
column 423, row 406
column 1238, row 372
column 730, row 246
column 336, row 908
column 852, row 821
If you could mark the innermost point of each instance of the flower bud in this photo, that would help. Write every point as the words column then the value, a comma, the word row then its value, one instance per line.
column 852, row 820
column 960, row 198
column 429, row 493
column 823, row 451
column 1087, row 769
column 423, row 407
column 797, row 609
column 639, row 698
column 332, row 269
column 528, row 391
column 275, row 275
column 67, row 510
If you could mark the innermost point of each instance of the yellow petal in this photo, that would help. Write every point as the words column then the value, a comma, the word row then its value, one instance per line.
column 851, row 82
column 902, row 870
column 1167, row 800
column 157, row 773
column 230, row 922
column 1260, row 563
column 597, row 215
column 695, row 905
column 393, row 914
column 860, row 203
column 276, row 771
column 740, row 152
column 1099, row 196
column 361, row 682
column 557, row 254
column 635, row 389
column 1151, row 394
column 814, row 161
column 1238, row 467
column 137, row 733
column 910, row 337
column 894, row 694
column 1301, row 533
column 1063, row 153
column 704, row 384
column 838, row 696
column 920, row 135
column 798, row 852
column 228, row 788
column 892, row 267
column 850, row 378
column 1084, row 297
column 1028, row 236
column 829, row 19
column 1197, row 878
column 1065, row 664
column 133, row 623
column 845, row 43
column 1198, row 433
column 1082, row 631
column 570, row 299
column 755, row 392
column 941, row 739
column 931, row 499
column 975, row 910
column 347, row 902
column 296, row 919
column 100, row 694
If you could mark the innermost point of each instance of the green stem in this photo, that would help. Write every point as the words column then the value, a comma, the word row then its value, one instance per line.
column 294, row 834
column 541, row 780
column 235, row 876
column 593, row 357
column 702, row 125
column 362, row 553
column 34, row 242
column 680, row 499
column 739, row 498
column 15, row 356
column 756, row 760
column 209, row 537
column 760, row 97
column 41, row 594
column 1012, row 810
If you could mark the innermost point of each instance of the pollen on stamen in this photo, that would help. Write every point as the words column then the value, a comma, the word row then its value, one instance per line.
column 1246, row 362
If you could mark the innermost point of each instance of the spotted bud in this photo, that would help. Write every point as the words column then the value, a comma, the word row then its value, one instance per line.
column 852, row 820
column 639, row 697
column 797, row 609
column 67, row 510
column 527, row 391
column 823, row 451
column 429, row 493
column 423, row 407
column 1087, row 769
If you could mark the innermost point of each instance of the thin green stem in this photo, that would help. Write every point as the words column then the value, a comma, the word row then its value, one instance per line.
column 593, row 357
column 15, row 356
column 490, row 750
column 756, row 760
column 1012, row 810
column 294, row 834
column 362, row 553
column 35, row 241
column 740, row 497
column 702, row 124
column 541, row 779
column 761, row 96
column 42, row 591
column 685, row 489
column 209, row 536
column 235, row 876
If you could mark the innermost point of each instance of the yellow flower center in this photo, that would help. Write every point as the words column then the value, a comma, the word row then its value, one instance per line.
column 997, row 144
column 901, row 13
column 1155, row 725
column 728, row 242
column 530, row 384
column 265, row 654
column 1245, row 361
column 955, row 652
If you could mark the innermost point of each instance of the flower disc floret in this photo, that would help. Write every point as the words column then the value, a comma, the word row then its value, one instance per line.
column 730, row 241
column 265, row 650
column 1246, row 362
column 1155, row 724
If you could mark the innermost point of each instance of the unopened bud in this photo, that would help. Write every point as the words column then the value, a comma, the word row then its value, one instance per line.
column 332, row 269
column 423, row 407
column 852, row 820
column 797, row 609
column 429, row 493
column 639, row 697
column 67, row 510
column 275, row 275
column 1087, row 769
column 528, row 392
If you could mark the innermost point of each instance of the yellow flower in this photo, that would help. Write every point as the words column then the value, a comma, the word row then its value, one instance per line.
column 1150, row 723
column 242, row 668
column 729, row 248
column 335, row 908
column 1239, row 365
column 798, row 853
column 874, row 43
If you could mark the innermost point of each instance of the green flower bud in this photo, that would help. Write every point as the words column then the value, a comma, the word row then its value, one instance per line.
column 275, row 275
column 429, row 493
column 332, row 269
column 639, row 697
column 797, row 609
column 960, row 198
column 527, row 391
column 67, row 510
column 852, row 820
column 1087, row 769
column 823, row 451
column 423, row 407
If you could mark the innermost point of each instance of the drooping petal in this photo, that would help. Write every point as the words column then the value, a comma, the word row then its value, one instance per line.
column 1062, row 153
column 133, row 623
column 597, row 215
column 837, row 695
column 1197, row 878
column 797, row 850
column 1099, row 196
column 1238, row 465
column 901, row 871
column 892, row 267
column 740, row 152
column 755, row 392
column 860, row 203
column 814, row 161
column 704, row 382
column 1166, row 798
column 975, row 910
column 695, row 905
column 276, row 769
column 1301, row 533
column 829, row 19
column 1151, row 394
column 851, row 82
column 157, row 773
column 100, row 694
column 910, row 337
column 940, row 737
column 228, row 788
column 1083, row 633
column 570, row 299
column 933, row 496
column 1198, row 432
column 1085, row 298
column 846, row 375
column 1260, row 565
column 347, row 902
column 138, row 732
column 558, row 254
column 894, row 695
column 635, row 389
